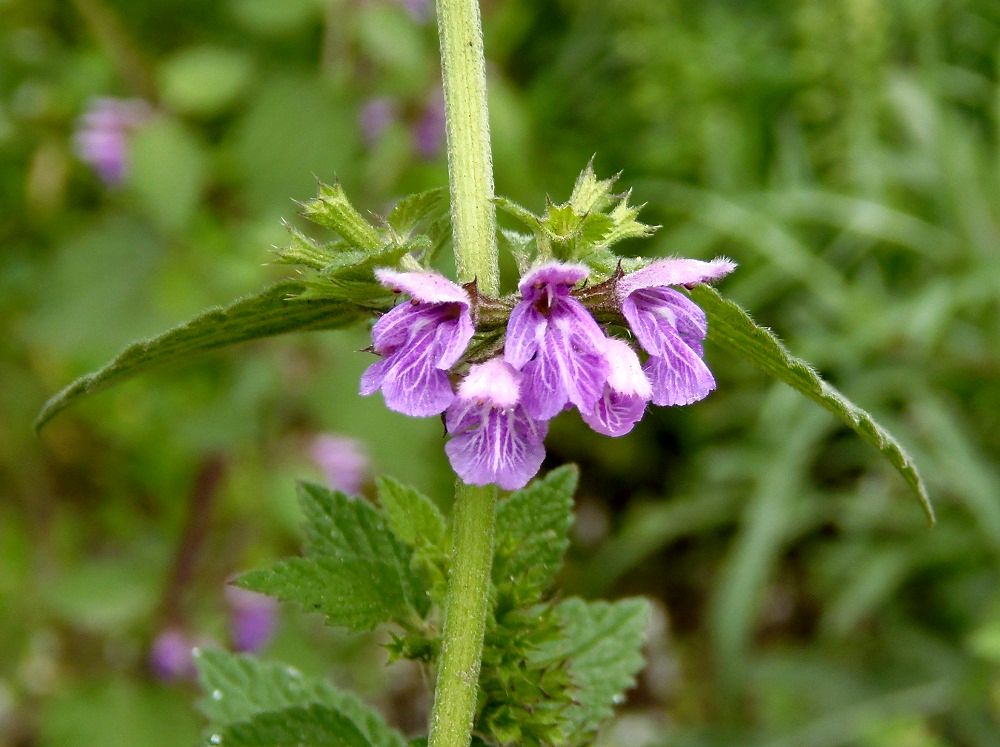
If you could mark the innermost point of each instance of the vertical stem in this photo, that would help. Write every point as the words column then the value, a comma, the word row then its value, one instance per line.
column 114, row 37
column 470, row 163
column 464, row 616
column 473, row 218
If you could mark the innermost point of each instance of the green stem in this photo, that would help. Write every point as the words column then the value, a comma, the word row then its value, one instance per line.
column 470, row 163
column 464, row 616
column 111, row 34
column 473, row 218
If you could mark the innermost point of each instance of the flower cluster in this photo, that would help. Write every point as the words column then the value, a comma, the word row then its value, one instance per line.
column 555, row 357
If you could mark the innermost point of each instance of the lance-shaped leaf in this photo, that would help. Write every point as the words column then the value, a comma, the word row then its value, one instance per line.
column 278, row 309
column 732, row 328
column 239, row 688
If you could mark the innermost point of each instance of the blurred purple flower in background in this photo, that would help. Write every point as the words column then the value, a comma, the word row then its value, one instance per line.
column 419, row 10
column 170, row 656
column 428, row 130
column 343, row 460
column 253, row 618
column 101, row 139
column 376, row 115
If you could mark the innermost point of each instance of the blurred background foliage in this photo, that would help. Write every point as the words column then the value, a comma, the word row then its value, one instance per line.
column 844, row 152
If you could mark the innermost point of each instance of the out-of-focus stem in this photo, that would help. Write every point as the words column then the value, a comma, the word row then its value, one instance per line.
column 112, row 35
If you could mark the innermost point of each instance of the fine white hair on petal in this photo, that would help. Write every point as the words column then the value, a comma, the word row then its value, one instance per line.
column 427, row 287
column 494, row 381
column 626, row 375
column 553, row 273
column 674, row 271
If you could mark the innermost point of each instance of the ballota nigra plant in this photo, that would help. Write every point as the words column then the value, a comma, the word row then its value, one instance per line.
column 470, row 596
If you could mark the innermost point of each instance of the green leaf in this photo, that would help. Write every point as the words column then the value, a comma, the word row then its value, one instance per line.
column 355, row 594
column 312, row 726
column 589, row 192
column 306, row 251
column 204, row 80
column 424, row 214
column 169, row 172
column 524, row 216
column 520, row 246
column 237, row 688
column 603, row 642
column 419, row 210
column 356, row 572
column 561, row 223
column 338, row 525
column 732, row 328
column 350, row 593
column 359, row 264
column 412, row 516
column 333, row 210
column 273, row 311
column 532, row 532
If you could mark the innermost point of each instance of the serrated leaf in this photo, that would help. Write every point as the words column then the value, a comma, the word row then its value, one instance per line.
column 358, row 264
column 524, row 216
column 520, row 247
column 594, row 228
column 338, row 525
column 238, row 687
column 626, row 226
column 412, row 516
column 333, row 210
column 356, row 594
column 304, row 250
column 532, row 532
column 603, row 642
column 356, row 572
column 312, row 726
column 419, row 210
column 274, row 311
column 364, row 291
column 732, row 328
column 561, row 223
column 589, row 192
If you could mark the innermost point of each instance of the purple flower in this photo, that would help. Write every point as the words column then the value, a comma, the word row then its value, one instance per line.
column 419, row 10
column 376, row 115
column 493, row 440
column 253, row 618
column 626, row 393
column 343, row 460
column 170, row 656
column 419, row 341
column 555, row 343
column 671, row 327
column 428, row 130
column 102, row 137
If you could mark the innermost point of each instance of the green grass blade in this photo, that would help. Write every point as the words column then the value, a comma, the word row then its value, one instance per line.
column 732, row 328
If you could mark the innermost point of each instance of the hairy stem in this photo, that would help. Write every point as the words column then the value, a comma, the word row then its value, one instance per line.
column 473, row 217
column 470, row 163
column 464, row 616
